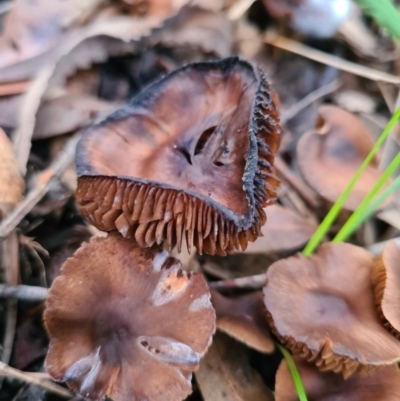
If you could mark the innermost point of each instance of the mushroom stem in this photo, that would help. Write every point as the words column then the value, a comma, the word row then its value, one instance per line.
column 255, row 282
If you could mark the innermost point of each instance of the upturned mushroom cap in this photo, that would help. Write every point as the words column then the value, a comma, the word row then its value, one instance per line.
column 321, row 307
column 382, row 385
column 243, row 318
column 191, row 157
column 329, row 156
column 127, row 323
column 386, row 284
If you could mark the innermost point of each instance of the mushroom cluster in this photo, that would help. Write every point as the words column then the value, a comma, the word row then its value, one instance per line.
column 323, row 309
column 189, row 159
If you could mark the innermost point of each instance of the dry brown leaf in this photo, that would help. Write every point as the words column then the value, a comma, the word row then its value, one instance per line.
column 123, row 28
column 68, row 113
column 32, row 28
column 11, row 183
column 285, row 230
column 226, row 375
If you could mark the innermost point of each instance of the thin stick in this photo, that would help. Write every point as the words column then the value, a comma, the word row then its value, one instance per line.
column 329, row 59
column 250, row 282
column 293, row 110
column 43, row 183
column 8, row 371
column 23, row 292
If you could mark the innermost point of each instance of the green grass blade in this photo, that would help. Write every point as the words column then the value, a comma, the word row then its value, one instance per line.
column 347, row 228
column 370, row 208
column 335, row 209
column 384, row 12
column 294, row 373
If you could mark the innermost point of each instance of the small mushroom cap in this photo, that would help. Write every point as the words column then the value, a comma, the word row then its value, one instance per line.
column 243, row 318
column 191, row 157
column 127, row 323
column 382, row 385
column 386, row 283
column 322, row 308
column 329, row 159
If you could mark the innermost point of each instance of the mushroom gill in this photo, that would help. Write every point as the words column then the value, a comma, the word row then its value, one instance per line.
column 386, row 284
column 127, row 323
column 382, row 385
column 191, row 157
column 322, row 308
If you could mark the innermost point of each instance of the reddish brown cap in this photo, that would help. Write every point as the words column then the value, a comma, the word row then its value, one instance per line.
column 191, row 156
column 127, row 323
column 329, row 157
column 322, row 308
column 243, row 318
column 382, row 385
column 386, row 284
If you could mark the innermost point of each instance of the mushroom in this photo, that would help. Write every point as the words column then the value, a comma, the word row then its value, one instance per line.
column 243, row 318
column 386, row 284
column 329, row 156
column 382, row 385
column 321, row 307
column 190, row 157
column 127, row 323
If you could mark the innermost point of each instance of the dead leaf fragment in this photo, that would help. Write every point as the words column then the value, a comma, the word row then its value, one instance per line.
column 11, row 183
column 226, row 375
column 285, row 230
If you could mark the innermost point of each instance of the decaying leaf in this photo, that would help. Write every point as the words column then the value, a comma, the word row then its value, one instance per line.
column 11, row 183
column 284, row 231
column 226, row 375
column 243, row 318
column 382, row 385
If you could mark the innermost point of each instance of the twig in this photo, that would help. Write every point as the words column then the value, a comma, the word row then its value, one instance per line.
column 293, row 110
column 8, row 371
column 250, row 282
column 43, row 183
column 13, row 88
column 329, row 59
column 238, row 9
column 287, row 175
column 23, row 292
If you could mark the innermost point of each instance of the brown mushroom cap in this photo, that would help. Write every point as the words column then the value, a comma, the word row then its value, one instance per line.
column 191, row 156
column 386, row 284
column 243, row 318
column 127, row 323
column 328, row 160
column 322, row 308
column 382, row 385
